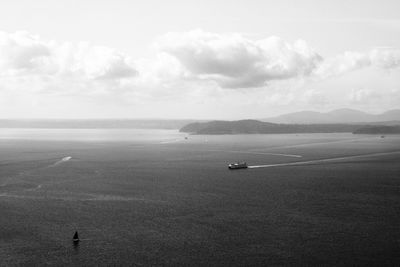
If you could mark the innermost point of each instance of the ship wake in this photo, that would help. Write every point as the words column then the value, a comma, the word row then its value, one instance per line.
column 297, row 163
column 65, row 159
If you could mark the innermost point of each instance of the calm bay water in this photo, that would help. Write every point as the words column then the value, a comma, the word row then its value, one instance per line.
column 155, row 198
column 89, row 134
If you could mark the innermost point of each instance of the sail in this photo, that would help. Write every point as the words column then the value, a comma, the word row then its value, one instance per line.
column 76, row 237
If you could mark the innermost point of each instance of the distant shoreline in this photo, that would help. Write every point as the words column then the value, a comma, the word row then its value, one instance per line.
column 259, row 127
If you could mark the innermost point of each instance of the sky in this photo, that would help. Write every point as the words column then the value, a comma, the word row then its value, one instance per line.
column 205, row 59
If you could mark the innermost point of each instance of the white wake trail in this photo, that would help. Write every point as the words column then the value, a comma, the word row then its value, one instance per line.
column 170, row 141
column 324, row 160
column 322, row 143
column 268, row 153
column 254, row 153
column 65, row 159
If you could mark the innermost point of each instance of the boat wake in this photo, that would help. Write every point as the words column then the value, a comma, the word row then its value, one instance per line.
column 254, row 153
column 296, row 163
column 65, row 159
column 170, row 141
column 78, row 197
column 35, row 188
column 323, row 143
column 268, row 153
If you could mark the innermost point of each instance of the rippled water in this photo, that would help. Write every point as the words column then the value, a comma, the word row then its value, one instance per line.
column 153, row 197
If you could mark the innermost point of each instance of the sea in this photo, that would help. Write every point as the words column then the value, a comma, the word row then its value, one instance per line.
column 141, row 197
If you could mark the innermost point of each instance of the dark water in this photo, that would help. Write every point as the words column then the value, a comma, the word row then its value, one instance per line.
column 140, row 197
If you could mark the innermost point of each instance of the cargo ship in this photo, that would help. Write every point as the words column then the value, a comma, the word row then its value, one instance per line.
column 237, row 165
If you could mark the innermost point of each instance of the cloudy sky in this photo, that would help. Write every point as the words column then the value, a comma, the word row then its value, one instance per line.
column 209, row 59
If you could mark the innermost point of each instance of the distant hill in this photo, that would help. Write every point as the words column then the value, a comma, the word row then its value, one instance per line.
column 259, row 127
column 378, row 130
column 337, row 116
column 94, row 123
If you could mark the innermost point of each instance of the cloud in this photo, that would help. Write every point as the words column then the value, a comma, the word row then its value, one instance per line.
column 95, row 62
column 234, row 61
column 21, row 52
column 340, row 64
column 381, row 58
column 191, row 68
column 387, row 58
column 27, row 59
column 190, row 59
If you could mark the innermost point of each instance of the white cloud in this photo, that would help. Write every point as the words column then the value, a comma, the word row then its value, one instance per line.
column 193, row 68
column 233, row 61
column 341, row 64
column 382, row 58
column 95, row 62
column 21, row 52
column 387, row 58
column 189, row 59
column 236, row 62
column 27, row 62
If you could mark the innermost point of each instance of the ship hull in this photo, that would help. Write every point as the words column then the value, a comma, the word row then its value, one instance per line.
column 235, row 166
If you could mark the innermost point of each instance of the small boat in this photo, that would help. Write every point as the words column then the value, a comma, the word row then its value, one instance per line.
column 237, row 165
column 75, row 239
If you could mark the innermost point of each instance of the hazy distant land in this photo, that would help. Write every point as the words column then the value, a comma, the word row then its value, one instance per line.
column 337, row 116
column 259, row 127
column 381, row 129
column 336, row 121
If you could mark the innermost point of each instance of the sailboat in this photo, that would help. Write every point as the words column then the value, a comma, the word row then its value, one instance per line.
column 75, row 239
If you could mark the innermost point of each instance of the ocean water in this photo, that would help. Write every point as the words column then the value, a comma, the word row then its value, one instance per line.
column 155, row 198
column 89, row 135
